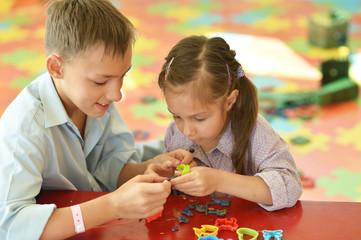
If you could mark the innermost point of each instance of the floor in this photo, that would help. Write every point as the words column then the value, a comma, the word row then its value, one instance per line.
column 271, row 40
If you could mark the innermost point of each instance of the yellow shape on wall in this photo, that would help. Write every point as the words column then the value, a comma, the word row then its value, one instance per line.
column 350, row 136
column 136, row 78
column 12, row 34
column 272, row 24
column 5, row 6
column 318, row 141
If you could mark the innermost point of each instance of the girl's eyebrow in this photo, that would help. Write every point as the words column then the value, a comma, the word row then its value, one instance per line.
column 171, row 111
column 194, row 115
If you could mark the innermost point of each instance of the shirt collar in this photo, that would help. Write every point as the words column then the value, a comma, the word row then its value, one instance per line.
column 54, row 111
column 226, row 142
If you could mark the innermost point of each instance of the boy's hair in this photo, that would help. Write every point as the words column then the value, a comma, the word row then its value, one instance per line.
column 199, row 64
column 73, row 26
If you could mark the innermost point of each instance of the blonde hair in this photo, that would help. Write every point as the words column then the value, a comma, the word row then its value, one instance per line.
column 208, row 68
column 73, row 26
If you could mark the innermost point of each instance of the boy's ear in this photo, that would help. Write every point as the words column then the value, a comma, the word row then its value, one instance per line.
column 231, row 99
column 54, row 65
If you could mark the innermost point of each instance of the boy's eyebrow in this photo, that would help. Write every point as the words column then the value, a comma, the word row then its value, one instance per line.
column 111, row 76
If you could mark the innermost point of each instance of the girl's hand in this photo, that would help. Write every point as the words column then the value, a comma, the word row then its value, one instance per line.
column 165, row 164
column 141, row 197
column 165, row 169
column 201, row 181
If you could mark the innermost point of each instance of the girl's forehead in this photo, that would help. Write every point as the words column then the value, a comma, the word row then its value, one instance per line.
column 186, row 101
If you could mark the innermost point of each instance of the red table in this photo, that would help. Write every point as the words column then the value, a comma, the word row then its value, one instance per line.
column 306, row 220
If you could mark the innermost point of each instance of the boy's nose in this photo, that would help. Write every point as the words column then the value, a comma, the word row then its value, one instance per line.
column 114, row 92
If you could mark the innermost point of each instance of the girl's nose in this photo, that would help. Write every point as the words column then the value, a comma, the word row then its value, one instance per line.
column 188, row 129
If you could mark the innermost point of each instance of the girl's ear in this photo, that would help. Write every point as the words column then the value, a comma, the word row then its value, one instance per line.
column 231, row 99
column 54, row 66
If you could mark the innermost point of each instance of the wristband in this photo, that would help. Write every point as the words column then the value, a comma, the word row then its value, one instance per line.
column 78, row 219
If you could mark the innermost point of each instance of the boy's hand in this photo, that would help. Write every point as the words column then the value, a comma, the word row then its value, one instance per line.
column 200, row 181
column 141, row 197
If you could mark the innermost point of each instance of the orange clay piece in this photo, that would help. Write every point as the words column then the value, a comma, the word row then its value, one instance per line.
column 154, row 217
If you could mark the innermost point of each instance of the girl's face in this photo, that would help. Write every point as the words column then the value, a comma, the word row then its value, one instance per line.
column 92, row 81
column 204, row 124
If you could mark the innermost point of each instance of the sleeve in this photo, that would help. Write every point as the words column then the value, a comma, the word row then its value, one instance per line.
column 168, row 138
column 149, row 149
column 274, row 163
column 21, row 167
column 118, row 149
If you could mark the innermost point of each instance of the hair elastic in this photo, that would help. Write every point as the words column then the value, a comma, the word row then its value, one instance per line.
column 78, row 219
column 229, row 76
column 240, row 72
column 168, row 67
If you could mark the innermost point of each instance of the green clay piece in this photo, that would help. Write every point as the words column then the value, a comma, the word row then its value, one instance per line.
column 184, row 168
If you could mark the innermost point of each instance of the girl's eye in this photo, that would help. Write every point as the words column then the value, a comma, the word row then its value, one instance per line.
column 99, row 83
column 200, row 119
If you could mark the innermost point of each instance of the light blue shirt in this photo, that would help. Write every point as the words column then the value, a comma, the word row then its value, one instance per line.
column 41, row 148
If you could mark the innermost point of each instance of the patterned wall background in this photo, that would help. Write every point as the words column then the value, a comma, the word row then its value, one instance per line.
column 271, row 40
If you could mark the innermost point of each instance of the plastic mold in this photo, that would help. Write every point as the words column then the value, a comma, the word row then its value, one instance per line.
column 247, row 231
column 206, row 230
column 268, row 234
column 225, row 224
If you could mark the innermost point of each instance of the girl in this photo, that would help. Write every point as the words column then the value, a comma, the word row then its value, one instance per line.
column 215, row 111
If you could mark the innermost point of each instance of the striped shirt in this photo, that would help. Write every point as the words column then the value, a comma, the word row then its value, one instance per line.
column 269, row 154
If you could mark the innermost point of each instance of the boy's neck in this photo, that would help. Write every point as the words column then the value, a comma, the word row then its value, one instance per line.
column 79, row 120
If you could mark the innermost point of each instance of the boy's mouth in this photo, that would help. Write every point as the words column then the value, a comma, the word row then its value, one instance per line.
column 103, row 106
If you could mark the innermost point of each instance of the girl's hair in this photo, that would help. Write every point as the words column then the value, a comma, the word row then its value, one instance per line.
column 73, row 26
column 199, row 64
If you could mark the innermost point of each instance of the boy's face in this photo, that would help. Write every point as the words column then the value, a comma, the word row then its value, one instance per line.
column 92, row 81
column 201, row 123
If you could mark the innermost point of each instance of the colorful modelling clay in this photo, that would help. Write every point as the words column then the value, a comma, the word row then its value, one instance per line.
column 184, row 168
column 155, row 216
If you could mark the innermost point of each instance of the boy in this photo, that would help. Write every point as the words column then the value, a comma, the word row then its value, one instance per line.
column 64, row 132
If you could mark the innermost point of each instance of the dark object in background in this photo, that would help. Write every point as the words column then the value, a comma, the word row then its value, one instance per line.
column 328, row 30
column 334, row 69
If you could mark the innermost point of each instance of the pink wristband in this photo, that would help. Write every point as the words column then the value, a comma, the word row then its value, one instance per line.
column 78, row 219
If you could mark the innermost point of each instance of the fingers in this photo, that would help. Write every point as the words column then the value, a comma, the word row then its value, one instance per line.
column 182, row 179
column 193, row 164
column 162, row 170
column 182, row 155
column 157, row 188
column 149, row 178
